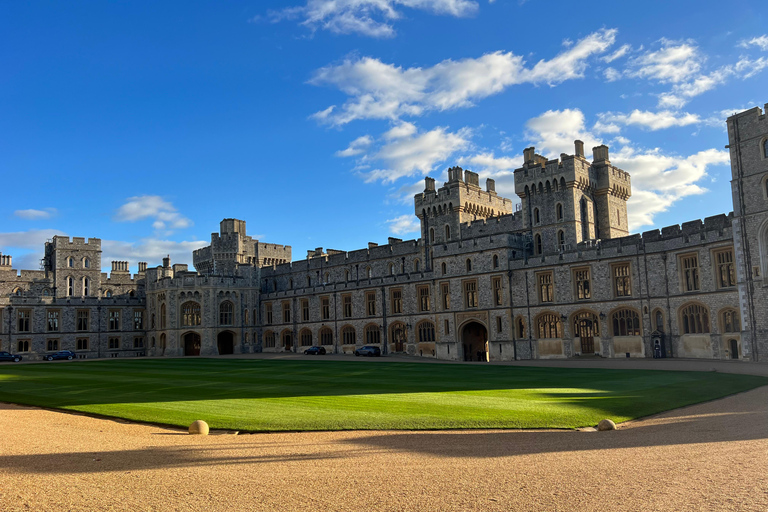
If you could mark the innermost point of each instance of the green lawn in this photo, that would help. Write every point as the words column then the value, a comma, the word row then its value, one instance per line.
column 270, row 395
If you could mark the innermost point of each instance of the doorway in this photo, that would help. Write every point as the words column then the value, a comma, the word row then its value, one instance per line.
column 474, row 337
column 398, row 337
column 586, row 333
column 191, row 344
column 734, row 345
column 226, row 343
column 287, row 341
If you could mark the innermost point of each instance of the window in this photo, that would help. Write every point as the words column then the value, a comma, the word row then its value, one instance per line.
column 426, row 332
column 113, row 343
column 305, row 310
column 325, row 307
column 52, row 323
column 190, row 314
column 163, row 317
column 447, row 233
column 559, row 209
column 432, row 235
column 469, row 265
column 71, row 262
column 114, row 319
column 520, row 328
column 82, row 318
column 499, row 324
column 622, row 282
column 730, row 320
column 108, row 294
column 659, row 320
column 23, row 346
column 346, row 302
column 81, row 344
column 726, row 275
column 70, row 286
column 689, row 265
column 423, row 298
column 370, row 303
column 470, row 294
column 561, row 240
column 138, row 319
column 536, row 218
column 447, row 327
column 695, row 319
column 52, row 345
column 286, row 312
column 138, row 342
column 444, row 268
column 269, row 339
column 397, row 301
column 86, row 287
column 305, row 338
column 537, row 244
column 268, row 312
column 495, row 261
column 626, row 322
column 246, row 317
column 391, row 268
column 548, row 326
column 445, row 292
column 544, row 281
column 372, row 335
column 86, row 263
column 497, row 291
column 581, row 279
column 348, row 335
column 17, row 292
column 23, row 320
column 765, row 148
column 226, row 313
column 369, row 272
column 416, row 265
column 326, row 336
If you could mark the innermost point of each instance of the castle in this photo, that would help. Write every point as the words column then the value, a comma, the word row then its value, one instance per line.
column 559, row 277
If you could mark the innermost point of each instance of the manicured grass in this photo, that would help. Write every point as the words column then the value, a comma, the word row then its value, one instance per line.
column 271, row 395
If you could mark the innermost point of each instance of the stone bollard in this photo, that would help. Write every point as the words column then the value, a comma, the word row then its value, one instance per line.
column 606, row 425
column 199, row 427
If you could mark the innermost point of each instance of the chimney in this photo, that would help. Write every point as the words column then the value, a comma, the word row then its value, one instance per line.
column 600, row 153
column 167, row 261
column 528, row 154
column 579, row 148
column 490, row 185
column 429, row 184
column 454, row 174
column 142, row 266
column 371, row 245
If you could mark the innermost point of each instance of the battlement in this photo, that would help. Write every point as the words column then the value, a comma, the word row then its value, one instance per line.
column 64, row 242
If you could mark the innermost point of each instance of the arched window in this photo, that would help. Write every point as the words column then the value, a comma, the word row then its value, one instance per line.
column 765, row 148
column 536, row 216
column 520, row 328
column 309, row 281
column 444, row 268
column 626, row 322
column 372, row 334
column 416, row 265
column 585, row 323
column 694, row 319
column 327, row 278
column 86, row 287
column 346, row 275
column 537, row 244
column 426, row 331
column 108, row 293
column 447, row 233
column 70, row 286
column 305, row 338
column 548, row 326
column 658, row 318
column 469, row 265
column 163, row 317
column 190, row 314
column 730, row 321
column 226, row 313
column 369, row 272
column 348, row 335
column 562, row 183
column 326, row 336
column 495, row 261
column 71, row 262
column 86, row 263
column 269, row 339
column 559, row 209
column 432, row 235
column 391, row 267
column 561, row 240
column 246, row 317
column 46, row 292
column 152, row 321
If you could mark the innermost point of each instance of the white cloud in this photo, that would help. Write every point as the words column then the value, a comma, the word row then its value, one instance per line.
column 554, row 131
column 673, row 62
column 152, row 207
column 608, row 121
column 611, row 74
column 403, row 129
column 33, row 239
column 761, row 42
column 371, row 18
column 378, row 90
column 617, row 54
column 356, row 147
column 33, row 214
column 151, row 250
column 404, row 224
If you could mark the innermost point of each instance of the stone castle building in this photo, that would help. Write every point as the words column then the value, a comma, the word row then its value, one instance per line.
column 560, row 276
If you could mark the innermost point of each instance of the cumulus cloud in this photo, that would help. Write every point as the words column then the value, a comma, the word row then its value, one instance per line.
column 554, row 131
column 356, row 147
column 673, row 62
column 371, row 18
column 378, row 90
column 27, row 247
column 152, row 207
column 609, row 121
column 33, row 214
column 761, row 42
column 404, row 224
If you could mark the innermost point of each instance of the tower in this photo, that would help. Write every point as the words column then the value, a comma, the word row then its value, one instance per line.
column 75, row 265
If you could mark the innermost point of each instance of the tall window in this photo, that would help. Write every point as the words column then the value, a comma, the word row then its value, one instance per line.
column 305, row 310
column 391, row 268
column 138, row 342
column 416, row 265
column 23, row 346
column 622, row 281
column 370, row 303
column 190, row 314
column 346, row 301
column 536, row 219
column 286, row 312
column 765, row 148
column 326, row 336
column 269, row 339
column 447, row 233
column 520, row 328
column 559, row 209
column 114, row 320
column 626, row 322
column 52, row 320
column 305, row 338
column 561, row 240
column 495, row 261
column 81, row 344
column 432, row 235
column 444, row 268
column 138, row 319
column 163, row 317
column 426, row 332
column 226, row 313
column 548, row 326
column 397, row 301
column 70, row 286
column 423, row 298
column 538, row 249
column 348, row 335
column 583, row 286
column 726, row 275
column 445, row 292
column 113, row 343
column 325, row 307
column 86, row 287
column 470, row 294
column 369, row 272
column 372, row 334
column 659, row 320
column 86, row 263
column 268, row 312
column 690, row 268
column 695, row 319
column 730, row 320
column 246, row 318
column 497, row 291
column 23, row 318
column 52, row 345
column 82, row 320
column 545, row 287
column 71, row 262
column 469, row 265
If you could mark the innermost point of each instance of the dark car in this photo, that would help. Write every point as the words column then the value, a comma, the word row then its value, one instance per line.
column 7, row 356
column 315, row 351
column 368, row 351
column 61, row 354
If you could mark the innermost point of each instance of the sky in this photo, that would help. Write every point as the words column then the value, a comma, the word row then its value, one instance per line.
column 315, row 121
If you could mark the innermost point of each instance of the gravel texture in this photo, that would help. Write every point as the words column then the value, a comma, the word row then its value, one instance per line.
column 711, row 456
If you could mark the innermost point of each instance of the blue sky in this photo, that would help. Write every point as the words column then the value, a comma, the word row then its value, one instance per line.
column 144, row 124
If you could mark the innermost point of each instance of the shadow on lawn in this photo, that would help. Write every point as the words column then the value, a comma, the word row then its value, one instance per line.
column 740, row 418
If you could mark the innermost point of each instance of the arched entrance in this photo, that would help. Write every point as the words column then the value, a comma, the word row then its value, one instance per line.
column 474, row 337
column 586, row 327
column 734, row 345
column 287, row 341
column 162, row 344
column 398, row 336
column 226, row 343
column 191, row 344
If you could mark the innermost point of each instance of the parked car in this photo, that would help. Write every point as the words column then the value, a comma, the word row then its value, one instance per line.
column 7, row 356
column 315, row 351
column 61, row 354
column 368, row 350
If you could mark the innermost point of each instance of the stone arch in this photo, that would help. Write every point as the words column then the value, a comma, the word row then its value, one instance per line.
column 226, row 313
column 325, row 336
column 348, row 335
column 305, row 338
column 192, row 343
column 548, row 325
column 398, row 336
column 225, row 342
column 562, row 183
column 625, row 321
column 585, row 325
column 694, row 318
column 474, row 339
column 286, row 340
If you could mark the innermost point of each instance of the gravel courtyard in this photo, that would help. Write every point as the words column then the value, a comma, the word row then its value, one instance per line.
column 711, row 456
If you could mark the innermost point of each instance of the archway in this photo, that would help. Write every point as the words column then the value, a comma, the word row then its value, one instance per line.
column 287, row 341
column 191, row 344
column 734, row 345
column 226, row 343
column 398, row 336
column 162, row 344
column 474, row 337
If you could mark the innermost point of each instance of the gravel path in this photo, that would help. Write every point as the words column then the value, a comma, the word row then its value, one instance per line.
column 711, row 456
